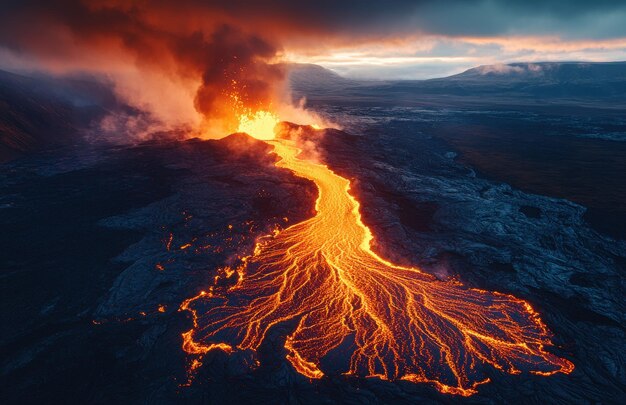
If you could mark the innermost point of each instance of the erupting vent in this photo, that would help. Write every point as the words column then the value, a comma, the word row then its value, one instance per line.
column 261, row 124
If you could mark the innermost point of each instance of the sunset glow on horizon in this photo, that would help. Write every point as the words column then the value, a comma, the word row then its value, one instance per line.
column 425, row 57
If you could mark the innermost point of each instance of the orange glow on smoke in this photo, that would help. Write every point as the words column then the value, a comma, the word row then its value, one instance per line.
column 377, row 319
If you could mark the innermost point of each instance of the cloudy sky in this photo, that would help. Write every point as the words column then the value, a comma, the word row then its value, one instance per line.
column 424, row 39
column 365, row 38
column 192, row 60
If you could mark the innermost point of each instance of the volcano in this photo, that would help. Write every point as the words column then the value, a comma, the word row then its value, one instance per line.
column 387, row 262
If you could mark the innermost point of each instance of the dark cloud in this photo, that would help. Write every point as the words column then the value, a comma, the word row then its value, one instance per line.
column 231, row 61
column 229, row 46
column 575, row 18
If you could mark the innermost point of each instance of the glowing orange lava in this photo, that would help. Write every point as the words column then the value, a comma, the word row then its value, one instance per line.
column 261, row 124
column 373, row 317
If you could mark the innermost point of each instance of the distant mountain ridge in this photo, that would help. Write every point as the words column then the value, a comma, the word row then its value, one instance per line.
column 307, row 76
column 541, row 80
column 563, row 71
column 557, row 71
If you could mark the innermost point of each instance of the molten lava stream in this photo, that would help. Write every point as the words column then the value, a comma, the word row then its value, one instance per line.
column 377, row 318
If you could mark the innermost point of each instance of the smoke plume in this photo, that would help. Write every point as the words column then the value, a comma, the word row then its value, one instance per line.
column 186, row 67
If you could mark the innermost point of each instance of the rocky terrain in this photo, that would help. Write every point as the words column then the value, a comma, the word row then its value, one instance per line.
column 100, row 247
column 427, row 209
column 103, row 242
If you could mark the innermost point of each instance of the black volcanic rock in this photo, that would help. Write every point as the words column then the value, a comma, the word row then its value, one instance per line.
column 243, row 145
column 96, row 240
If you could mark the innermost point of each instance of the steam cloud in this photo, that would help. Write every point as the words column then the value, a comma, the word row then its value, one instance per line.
column 200, row 71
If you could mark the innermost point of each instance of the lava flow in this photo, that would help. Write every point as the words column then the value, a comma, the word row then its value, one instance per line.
column 372, row 318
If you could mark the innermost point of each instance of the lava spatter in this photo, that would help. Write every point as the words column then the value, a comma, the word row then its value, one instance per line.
column 378, row 319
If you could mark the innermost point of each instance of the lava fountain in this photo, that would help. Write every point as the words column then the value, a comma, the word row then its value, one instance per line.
column 373, row 317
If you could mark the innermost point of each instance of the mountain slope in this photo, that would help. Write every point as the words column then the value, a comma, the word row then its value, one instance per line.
column 42, row 112
column 516, row 82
